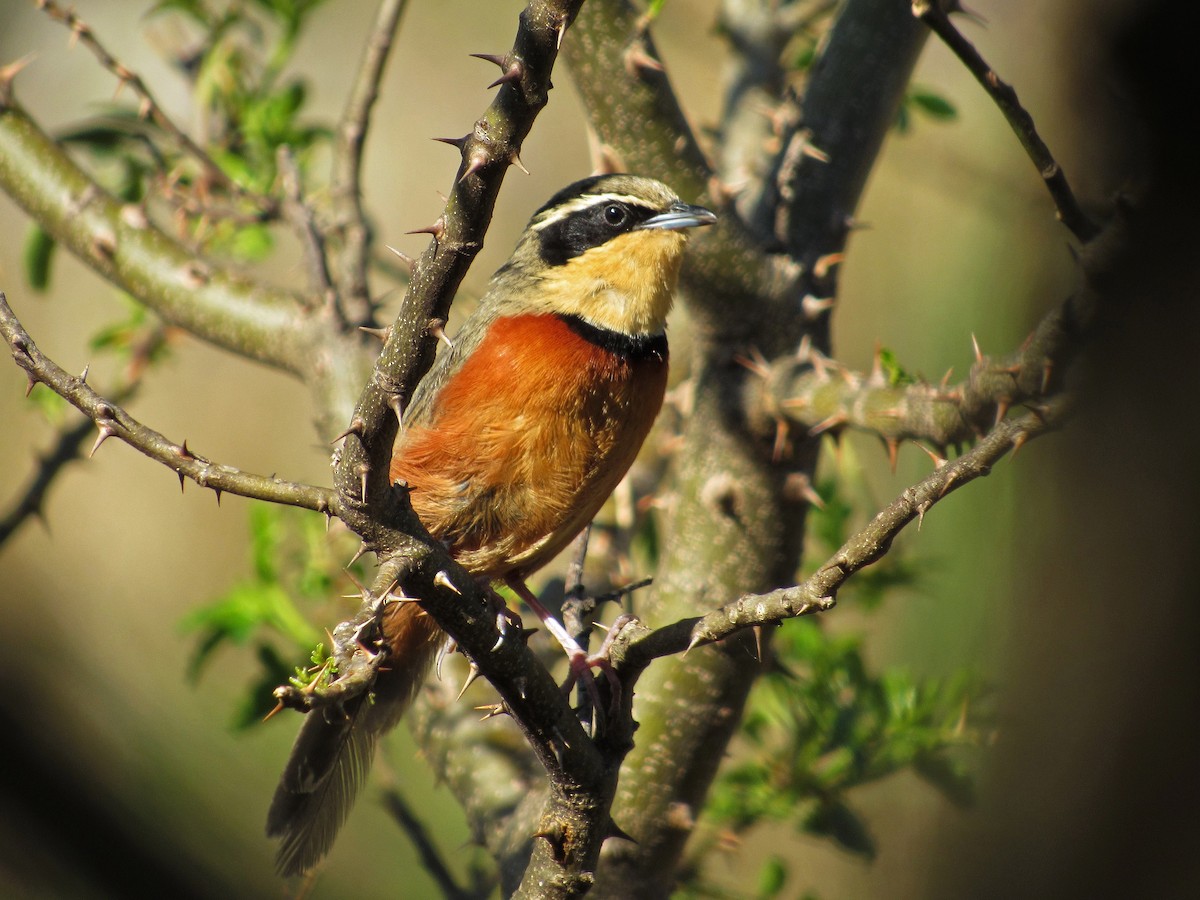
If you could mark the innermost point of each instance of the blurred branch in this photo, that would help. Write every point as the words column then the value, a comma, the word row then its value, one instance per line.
column 346, row 188
column 67, row 448
column 148, row 107
column 112, row 421
column 120, row 243
column 931, row 12
column 431, row 857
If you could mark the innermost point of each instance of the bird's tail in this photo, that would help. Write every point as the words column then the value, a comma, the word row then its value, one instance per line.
column 334, row 749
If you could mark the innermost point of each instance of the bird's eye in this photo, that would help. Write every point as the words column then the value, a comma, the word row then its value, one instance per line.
column 615, row 215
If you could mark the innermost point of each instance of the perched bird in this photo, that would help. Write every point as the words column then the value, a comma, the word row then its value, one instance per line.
column 511, row 444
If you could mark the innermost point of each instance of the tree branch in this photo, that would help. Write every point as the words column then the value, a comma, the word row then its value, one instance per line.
column 346, row 186
column 638, row 646
column 120, row 243
column 148, row 108
column 1070, row 213
column 113, row 421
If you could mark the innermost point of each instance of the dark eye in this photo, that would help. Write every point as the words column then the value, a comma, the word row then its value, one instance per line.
column 615, row 215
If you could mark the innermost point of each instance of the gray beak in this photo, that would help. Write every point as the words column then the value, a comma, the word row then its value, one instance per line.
column 680, row 215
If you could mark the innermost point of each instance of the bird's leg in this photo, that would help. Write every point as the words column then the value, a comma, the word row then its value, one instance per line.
column 580, row 663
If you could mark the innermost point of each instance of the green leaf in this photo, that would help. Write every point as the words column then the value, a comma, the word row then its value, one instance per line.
column 52, row 407
column 38, row 255
column 933, row 105
column 895, row 373
column 772, row 877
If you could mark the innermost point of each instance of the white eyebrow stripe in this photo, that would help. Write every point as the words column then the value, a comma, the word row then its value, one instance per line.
column 586, row 201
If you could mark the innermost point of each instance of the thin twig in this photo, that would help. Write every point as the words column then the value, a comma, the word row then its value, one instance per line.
column 302, row 219
column 431, row 857
column 1069, row 212
column 67, row 448
column 148, row 107
column 871, row 543
column 113, row 421
column 346, row 186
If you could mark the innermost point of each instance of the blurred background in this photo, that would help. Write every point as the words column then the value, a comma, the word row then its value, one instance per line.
column 1067, row 578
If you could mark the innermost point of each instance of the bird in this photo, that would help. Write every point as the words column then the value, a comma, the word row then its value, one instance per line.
column 510, row 446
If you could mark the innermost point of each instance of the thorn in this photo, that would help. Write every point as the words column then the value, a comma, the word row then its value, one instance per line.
column 616, row 831
column 837, row 419
column 106, row 431
column 217, row 493
column 437, row 327
column 561, row 28
column 798, row 486
column 398, row 408
column 1001, row 411
column 978, row 352
column 813, row 306
column 182, row 482
column 781, row 440
column 382, row 333
column 32, row 382
column 363, row 471
column 492, row 710
column 758, row 642
column 437, row 229
column 475, row 164
column 13, row 69
column 404, row 258
column 459, row 142
column 442, row 579
column 893, row 451
column 938, row 460
column 805, row 351
column 513, row 72
column 1019, row 442
column 472, row 674
column 755, row 362
column 515, row 159
column 494, row 58
column 358, row 554
column 84, row 374
column 829, row 260
column 921, row 510
column 946, row 378
column 1047, row 372
column 357, row 425
column 278, row 707
column 694, row 642
column 946, row 487
column 638, row 61
column 184, row 452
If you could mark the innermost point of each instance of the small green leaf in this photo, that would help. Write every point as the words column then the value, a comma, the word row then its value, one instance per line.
column 38, row 255
column 895, row 373
column 772, row 878
column 50, row 405
column 933, row 105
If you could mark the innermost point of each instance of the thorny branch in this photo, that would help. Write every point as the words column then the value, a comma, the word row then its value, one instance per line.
column 113, row 421
column 931, row 12
column 639, row 645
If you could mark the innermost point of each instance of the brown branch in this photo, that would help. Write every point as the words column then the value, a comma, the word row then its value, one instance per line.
column 113, row 421
column 67, row 448
column 457, row 236
column 346, row 186
column 931, row 12
column 300, row 214
column 148, row 107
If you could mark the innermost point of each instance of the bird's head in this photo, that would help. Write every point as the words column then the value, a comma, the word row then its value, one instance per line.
column 606, row 249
